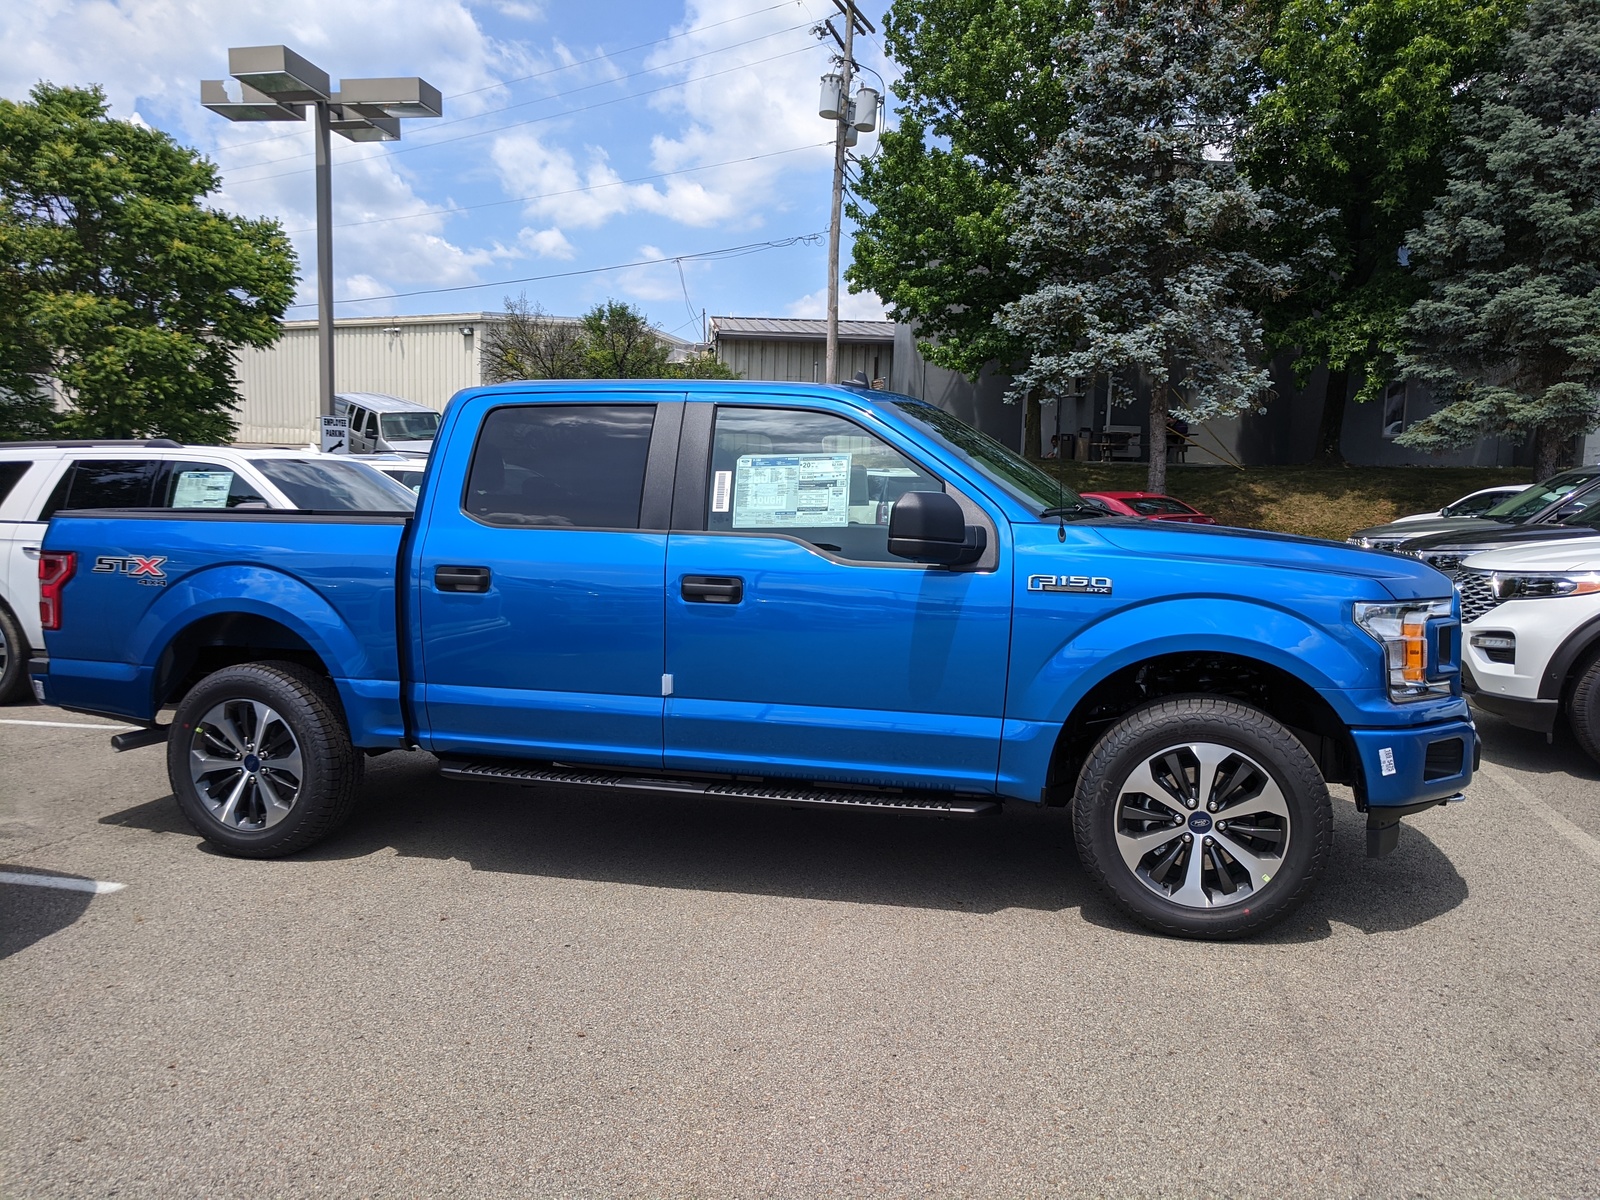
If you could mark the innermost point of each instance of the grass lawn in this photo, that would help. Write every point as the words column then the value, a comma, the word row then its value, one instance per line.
column 1328, row 502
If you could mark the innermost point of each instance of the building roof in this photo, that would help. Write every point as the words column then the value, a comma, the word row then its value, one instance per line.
column 798, row 329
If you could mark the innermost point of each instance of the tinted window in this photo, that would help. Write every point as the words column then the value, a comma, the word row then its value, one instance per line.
column 410, row 426
column 1150, row 506
column 10, row 472
column 809, row 475
column 563, row 465
column 104, row 483
column 334, row 486
column 1525, row 503
column 206, row 485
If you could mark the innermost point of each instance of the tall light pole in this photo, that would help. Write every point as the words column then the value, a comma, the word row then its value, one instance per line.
column 851, row 115
column 276, row 84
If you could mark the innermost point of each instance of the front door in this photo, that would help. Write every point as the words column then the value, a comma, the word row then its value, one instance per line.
column 797, row 645
column 539, row 596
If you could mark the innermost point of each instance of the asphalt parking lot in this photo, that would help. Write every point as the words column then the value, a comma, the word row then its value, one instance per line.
column 484, row 990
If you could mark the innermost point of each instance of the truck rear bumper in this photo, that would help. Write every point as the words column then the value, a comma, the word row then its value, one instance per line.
column 1402, row 767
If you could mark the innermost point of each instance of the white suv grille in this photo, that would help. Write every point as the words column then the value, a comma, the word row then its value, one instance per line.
column 1477, row 597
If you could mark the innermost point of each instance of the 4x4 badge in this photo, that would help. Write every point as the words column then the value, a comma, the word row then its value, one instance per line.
column 1092, row 585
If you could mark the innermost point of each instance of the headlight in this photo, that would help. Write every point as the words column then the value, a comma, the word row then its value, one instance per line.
column 1538, row 585
column 1402, row 631
column 1364, row 543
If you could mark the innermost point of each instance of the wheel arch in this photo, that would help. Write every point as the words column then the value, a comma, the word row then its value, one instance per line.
column 225, row 639
column 1561, row 672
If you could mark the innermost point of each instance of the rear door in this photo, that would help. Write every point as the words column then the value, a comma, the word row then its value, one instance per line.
column 540, row 581
column 796, row 643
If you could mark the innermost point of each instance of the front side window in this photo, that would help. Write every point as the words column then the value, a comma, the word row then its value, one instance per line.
column 574, row 466
column 410, row 426
column 809, row 475
column 207, row 485
column 334, row 486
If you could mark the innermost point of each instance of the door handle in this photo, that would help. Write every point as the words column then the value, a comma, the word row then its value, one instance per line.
column 30, row 552
column 713, row 589
column 461, row 579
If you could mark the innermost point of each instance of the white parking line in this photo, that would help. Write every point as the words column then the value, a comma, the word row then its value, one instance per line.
column 61, row 724
column 1583, row 841
column 98, row 886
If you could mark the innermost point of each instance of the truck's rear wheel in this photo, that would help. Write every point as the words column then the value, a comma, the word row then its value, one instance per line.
column 1203, row 817
column 260, row 759
column 13, row 658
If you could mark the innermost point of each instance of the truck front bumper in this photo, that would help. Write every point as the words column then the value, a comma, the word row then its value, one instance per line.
column 1404, row 771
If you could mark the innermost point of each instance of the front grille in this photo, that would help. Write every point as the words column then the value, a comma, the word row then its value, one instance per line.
column 1477, row 597
column 1445, row 563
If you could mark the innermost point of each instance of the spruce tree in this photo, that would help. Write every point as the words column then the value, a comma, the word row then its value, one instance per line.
column 1509, row 334
column 1137, row 234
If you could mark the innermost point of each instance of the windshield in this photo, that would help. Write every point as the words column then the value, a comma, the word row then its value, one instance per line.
column 1518, row 508
column 1019, row 477
column 410, row 426
column 1151, row 506
column 335, row 486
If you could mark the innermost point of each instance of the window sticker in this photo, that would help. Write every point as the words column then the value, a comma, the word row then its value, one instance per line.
column 202, row 489
column 782, row 491
column 721, row 491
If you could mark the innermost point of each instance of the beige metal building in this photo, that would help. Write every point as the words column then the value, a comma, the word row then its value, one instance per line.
column 794, row 349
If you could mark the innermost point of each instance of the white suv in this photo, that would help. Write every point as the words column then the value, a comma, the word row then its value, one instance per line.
column 1531, row 622
column 40, row 478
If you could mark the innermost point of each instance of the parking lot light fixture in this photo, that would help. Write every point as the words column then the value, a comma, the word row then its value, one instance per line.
column 276, row 84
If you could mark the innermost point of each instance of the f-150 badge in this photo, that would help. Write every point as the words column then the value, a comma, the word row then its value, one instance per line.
column 1091, row 585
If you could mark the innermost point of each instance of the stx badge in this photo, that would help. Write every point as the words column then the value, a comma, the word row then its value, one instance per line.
column 145, row 570
column 1091, row 585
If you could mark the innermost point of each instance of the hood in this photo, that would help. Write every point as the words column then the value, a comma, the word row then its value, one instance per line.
column 417, row 448
column 1578, row 554
column 1403, row 578
column 1494, row 536
column 1400, row 531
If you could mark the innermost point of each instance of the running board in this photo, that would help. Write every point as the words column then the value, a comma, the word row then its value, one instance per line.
column 929, row 803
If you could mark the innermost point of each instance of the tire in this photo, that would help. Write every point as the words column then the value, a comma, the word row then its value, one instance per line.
column 1195, row 757
column 1583, row 709
column 260, row 759
column 13, row 658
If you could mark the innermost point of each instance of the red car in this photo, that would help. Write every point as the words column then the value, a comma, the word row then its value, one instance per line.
column 1148, row 504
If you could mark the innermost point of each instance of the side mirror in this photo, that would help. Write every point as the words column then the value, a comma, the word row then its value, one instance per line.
column 930, row 527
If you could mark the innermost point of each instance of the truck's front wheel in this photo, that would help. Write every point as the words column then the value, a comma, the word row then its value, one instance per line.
column 1203, row 817
column 260, row 760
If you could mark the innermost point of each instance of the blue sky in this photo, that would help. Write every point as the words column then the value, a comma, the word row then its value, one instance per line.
column 575, row 136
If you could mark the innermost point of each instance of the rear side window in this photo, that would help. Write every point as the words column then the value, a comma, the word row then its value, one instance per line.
column 10, row 472
column 561, row 465
column 104, row 483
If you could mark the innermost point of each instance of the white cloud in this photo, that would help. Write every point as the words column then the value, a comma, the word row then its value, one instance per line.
column 853, row 306
column 548, row 243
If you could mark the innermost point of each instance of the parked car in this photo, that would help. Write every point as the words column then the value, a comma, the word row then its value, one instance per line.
column 1473, row 504
column 1151, row 505
column 1446, row 552
column 39, row 479
column 405, row 469
column 381, row 424
column 1531, row 620
column 686, row 586
column 1559, row 496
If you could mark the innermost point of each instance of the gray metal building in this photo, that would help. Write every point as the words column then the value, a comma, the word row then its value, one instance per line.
column 793, row 349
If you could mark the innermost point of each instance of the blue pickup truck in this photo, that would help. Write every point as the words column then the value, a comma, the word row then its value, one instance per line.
column 800, row 595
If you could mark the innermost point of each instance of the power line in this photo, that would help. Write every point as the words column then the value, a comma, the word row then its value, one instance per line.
column 594, row 187
column 582, row 62
column 531, row 120
column 809, row 239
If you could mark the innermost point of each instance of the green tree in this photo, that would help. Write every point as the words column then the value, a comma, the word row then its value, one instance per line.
column 529, row 343
column 620, row 343
column 117, row 284
column 981, row 97
column 1509, row 332
column 1137, row 235
column 705, row 365
column 1355, row 120
column 612, row 340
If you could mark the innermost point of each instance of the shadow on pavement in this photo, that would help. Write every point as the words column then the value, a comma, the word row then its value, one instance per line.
column 1023, row 859
column 1525, row 750
column 31, row 914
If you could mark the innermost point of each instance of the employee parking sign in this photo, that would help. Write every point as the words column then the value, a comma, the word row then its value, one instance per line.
column 335, row 435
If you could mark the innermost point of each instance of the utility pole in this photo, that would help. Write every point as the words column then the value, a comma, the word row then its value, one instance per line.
column 324, row 257
column 835, row 210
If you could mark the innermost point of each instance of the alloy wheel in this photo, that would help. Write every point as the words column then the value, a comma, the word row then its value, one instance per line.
column 245, row 763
